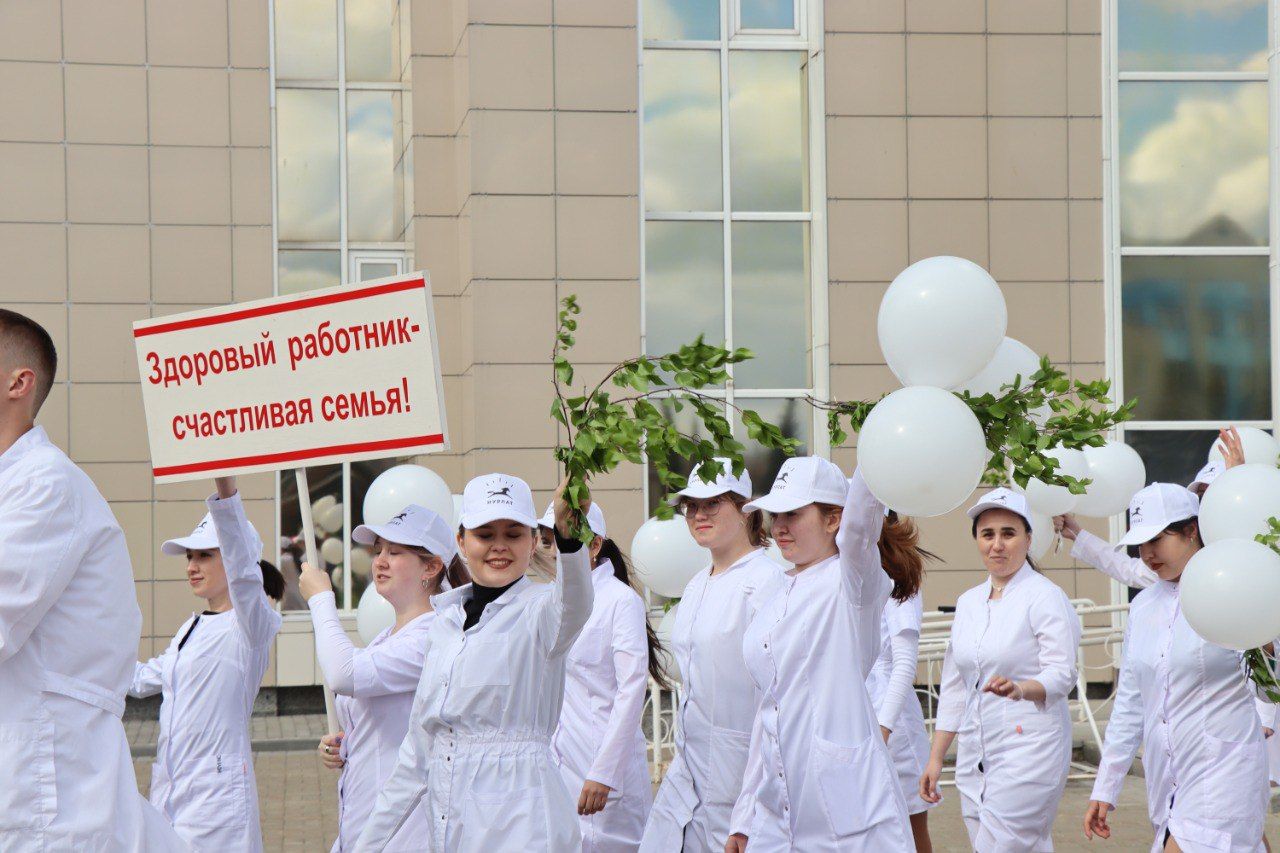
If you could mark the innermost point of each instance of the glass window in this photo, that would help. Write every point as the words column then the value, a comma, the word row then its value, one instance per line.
column 307, row 164
column 371, row 161
column 1172, row 456
column 308, row 269
column 767, row 14
column 682, row 162
column 1193, row 35
column 685, row 421
column 684, row 284
column 373, row 40
column 370, row 270
column 1193, row 164
column 771, row 303
column 325, row 484
column 687, row 20
column 767, row 124
column 1196, row 341
column 791, row 415
column 306, row 39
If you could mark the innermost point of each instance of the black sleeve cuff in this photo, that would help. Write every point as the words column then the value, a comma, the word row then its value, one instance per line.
column 567, row 546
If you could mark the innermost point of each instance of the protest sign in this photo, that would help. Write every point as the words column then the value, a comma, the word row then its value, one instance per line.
column 334, row 375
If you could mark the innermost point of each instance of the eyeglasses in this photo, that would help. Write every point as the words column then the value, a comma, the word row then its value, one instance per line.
column 709, row 507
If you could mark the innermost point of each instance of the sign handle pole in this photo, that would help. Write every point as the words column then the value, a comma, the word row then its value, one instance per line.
column 309, row 539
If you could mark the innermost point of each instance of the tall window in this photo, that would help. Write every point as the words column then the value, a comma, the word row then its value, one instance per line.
column 342, row 162
column 728, row 240
column 1190, row 223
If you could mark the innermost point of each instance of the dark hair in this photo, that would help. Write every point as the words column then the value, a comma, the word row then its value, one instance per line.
column 1026, row 525
column 757, row 534
column 455, row 570
column 25, row 342
column 901, row 555
column 1178, row 527
column 272, row 580
column 610, row 551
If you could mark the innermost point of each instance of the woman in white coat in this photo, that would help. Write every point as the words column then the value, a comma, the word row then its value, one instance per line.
column 599, row 746
column 717, row 699
column 1188, row 702
column 415, row 557
column 1008, row 669
column 478, row 750
column 202, row 779
column 819, row 778
column 892, row 679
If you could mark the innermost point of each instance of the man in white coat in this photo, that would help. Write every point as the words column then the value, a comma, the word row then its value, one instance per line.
column 69, row 628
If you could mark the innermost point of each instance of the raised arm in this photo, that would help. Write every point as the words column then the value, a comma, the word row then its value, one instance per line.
column 864, row 581
column 241, row 547
column 631, row 672
column 392, row 666
column 568, row 608
column 1097, row 552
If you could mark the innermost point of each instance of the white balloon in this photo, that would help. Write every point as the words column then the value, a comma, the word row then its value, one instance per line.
column 668, row 659
column 335, row 577
column 1229, row 592
column 1239, row 503
column 1041, row 535
column 666, row 556
column 922, row 451
column 397, row 487
column 457, row 511
column 1258, row 445
column 1013, row 358
column 941, row 321
column 1117, row 472
column 373, row 614
column 331, row 551
column 330, row 521
column 361, row 561
column 322, row 503
column 1055, row 500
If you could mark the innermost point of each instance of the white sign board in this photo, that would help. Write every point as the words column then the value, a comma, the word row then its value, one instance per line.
column 333, row 375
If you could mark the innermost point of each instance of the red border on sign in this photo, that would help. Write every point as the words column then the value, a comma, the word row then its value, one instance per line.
column 280, row 308
column 298, row 455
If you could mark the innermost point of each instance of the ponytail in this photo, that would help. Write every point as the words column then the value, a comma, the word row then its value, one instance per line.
column 272, row 580
column 901, row 556
column 610, row 551
column 457, row 572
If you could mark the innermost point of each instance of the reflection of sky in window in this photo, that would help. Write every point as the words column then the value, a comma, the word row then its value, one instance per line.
column 371, row 160
column 682, row 130
column 308, row 269
column 767, row 130
column 683, row 284
column 690, row 20
column 372, row 38
column 688, row 423
column 1196, row 337
column 306, row 39
column 1193, row 158
column 771, row 304
column 1193, row 35
column 307, row 164
column 792, row 416
column 768, row 15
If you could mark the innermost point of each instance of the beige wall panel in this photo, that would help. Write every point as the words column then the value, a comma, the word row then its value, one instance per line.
column 107, row 183
column 1088, row 321
column 949, row 227
column 102, row 337
column 248, row 24
column 1084, row 157
column 510, row 68
column 1084, row 16
column 866, row 240
column 1029, row 240
column 192, row 32
column 189, row 106
column 513, row 322
column 109, row 263
column 34, row 258
column 34, row 179
column 1040, row 312
column 866, row 75
column 946, row 74
column 509, row 11
column 947, row 157
column 1085, row 219
column 946, row 16
column 189, row 186
column 1084, row 75
column 866, row 157
column 191, row 264
column 1026, row 16
column 867, row 16
column 597, row 153
column 32, row 96
column 596, row 13
column 614, row 332
column 54, row 319
column 250, row 107
column 595, row 68
column 852, row 310
column 513, row 406
column 134, row 519
column 126, row 441
column 512, row 151
column 251, row 186
column 123, row 481
column 598, row 237
column 1028, row 157
column 513, row 236
column 106, row 103
column 55, row 415
column 31, row 29
column 251, row 262
column 1026, row 75
column 104, row 31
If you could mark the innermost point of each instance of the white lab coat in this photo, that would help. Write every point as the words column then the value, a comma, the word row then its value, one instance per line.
column 1192, row 708
column 819, row 777
column 69, row 628
column 898, row 709
column 203, row 779
column 373, row 689
column 599, row 736
column 717, row 704
column 1013, row 756
column 478, row 748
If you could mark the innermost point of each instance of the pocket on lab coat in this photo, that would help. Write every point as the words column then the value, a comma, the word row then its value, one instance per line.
column 727, row 762
column 502, row 821
column 856, row 785
column 484, row 663
column 29, row 797
column 1237, row 778
column 212, row 791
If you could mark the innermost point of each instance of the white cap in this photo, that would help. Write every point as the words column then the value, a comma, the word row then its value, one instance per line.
column 1002, row 498
column 804, row 480
column 725, row 482
column 595, row 518
column 1155, row 508
column 203, row 538
column 415, row 526
column 496, row 496
column 1208, row 474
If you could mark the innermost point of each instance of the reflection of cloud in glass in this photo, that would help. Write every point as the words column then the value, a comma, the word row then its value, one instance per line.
column 308, row 269
column 306, row 39
column 372, row 39
column 682, row 165
column 682, row 19
column 1192, row 35
column 768, row 14
column 371, row 161
column 1194, row 164
column 771, row 303
column 683, row 284
column 307, row 164
column 767, row 130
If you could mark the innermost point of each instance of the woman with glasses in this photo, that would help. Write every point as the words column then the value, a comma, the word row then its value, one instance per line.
column 717, row 701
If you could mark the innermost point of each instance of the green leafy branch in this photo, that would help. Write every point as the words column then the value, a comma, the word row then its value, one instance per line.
column 1258, row 664
column 620, row 419
column 1020, row 423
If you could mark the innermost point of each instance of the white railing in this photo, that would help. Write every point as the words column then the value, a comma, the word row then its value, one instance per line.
column 660, row 707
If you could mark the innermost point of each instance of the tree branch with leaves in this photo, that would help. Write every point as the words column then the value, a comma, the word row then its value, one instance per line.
column 1259, row 665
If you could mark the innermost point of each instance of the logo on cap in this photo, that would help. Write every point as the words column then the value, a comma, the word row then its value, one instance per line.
column 399, row 517
column 1136, row 514
column 505, row 492
column 999, row 499
column 782, row 479
column 201, row 525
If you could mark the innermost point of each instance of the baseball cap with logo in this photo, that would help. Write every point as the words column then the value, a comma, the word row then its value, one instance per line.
column 724, row 483
column 203, row 538
column 1207, row 474
column 802, row 481
column 497, row 496
column 595, row 518
column 1155, row 508
column 1002, row 498
column 415, row 526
